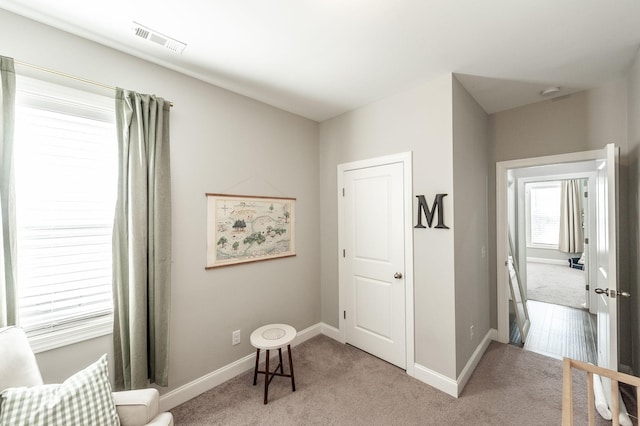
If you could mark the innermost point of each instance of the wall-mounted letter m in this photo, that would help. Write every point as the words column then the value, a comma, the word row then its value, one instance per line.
column 423, row 207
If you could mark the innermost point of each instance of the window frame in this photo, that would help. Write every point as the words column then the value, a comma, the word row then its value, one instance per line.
column 62, row 99
column 528, row 225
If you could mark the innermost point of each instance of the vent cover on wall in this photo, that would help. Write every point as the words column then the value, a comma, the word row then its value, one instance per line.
column 158, row 38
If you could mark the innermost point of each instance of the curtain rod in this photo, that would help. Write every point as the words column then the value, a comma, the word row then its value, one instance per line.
column 72, row 77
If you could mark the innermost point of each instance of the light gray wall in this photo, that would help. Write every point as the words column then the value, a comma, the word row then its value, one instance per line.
column 220, row 142
column 634, row 206
column 418, row 120
column 470, row 185
column 583, row 121
column 543, row 128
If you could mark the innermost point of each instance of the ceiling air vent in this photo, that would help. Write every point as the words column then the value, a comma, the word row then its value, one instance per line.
column 158, row 38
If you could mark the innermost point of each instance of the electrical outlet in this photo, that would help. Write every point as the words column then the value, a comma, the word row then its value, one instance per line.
column 235, row 337
column 471, row 333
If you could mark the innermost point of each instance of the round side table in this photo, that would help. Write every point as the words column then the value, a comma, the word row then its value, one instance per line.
column 269, row 337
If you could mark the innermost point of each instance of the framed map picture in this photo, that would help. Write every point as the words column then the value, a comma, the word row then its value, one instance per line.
column 245, row 228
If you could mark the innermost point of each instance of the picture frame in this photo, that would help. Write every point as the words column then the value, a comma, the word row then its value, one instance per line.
column 247, row 228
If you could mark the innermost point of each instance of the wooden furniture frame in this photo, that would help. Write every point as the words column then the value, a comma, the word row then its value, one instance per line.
column 567, row 390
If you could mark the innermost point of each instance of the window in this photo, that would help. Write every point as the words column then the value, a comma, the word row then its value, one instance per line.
column 543, row 214
column 66, row 182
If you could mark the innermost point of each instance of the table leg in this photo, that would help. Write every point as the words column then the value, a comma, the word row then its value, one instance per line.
column 280, row 356
column 266, row 379
column 255, row 371
column 293, row 381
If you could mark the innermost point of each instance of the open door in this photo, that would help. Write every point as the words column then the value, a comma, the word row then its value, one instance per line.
column 606, row 269
column 606, row 261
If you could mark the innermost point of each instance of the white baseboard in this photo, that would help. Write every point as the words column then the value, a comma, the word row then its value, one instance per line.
column 196, row 387
column 330, row 331
column 447, row 384
column 493, row 334
column 435, row 379
column 468, row 369
column 561, row 262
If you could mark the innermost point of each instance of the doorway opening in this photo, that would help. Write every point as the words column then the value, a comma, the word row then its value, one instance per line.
column 600, row 253
column 554, row 273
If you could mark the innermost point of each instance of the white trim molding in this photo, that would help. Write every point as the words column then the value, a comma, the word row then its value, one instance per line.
column 447, row 384
column 82, row 330
column 202, row 384
column 560, row 262
column 502, row 167
column 436, row 380
column 330, row 331
column 468, row 369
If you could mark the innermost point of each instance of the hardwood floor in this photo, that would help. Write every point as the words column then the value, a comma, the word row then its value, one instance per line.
column 558, row 331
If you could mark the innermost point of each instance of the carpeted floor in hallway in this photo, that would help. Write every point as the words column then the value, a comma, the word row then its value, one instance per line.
column 340, row 385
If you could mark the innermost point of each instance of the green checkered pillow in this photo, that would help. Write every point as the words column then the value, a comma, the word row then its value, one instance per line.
column 83, row 399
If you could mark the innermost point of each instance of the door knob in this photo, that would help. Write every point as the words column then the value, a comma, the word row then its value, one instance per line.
column 612, row 293
column 397, row 275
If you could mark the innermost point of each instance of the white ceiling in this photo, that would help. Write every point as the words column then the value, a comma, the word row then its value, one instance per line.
column 320, row 58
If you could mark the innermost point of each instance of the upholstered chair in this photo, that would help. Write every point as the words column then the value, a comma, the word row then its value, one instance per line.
column 19, row 368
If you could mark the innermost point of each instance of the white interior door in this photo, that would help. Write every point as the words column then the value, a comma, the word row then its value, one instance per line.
column 606, row 270
column 373, row 261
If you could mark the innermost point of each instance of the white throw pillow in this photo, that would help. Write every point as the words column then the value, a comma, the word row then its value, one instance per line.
column 83, row 399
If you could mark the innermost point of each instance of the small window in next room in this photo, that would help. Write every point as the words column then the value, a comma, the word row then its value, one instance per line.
column 543, row 214
column 65, row 181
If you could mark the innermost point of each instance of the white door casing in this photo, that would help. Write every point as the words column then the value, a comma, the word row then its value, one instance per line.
column 375, row 259
column 502, row 168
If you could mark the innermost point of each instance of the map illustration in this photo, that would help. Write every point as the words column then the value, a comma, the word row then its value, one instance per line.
column 245, row 229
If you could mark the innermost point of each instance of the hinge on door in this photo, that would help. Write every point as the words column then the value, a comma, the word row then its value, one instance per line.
column 344, row 253
column 586, row 241
column 343, row 192
column 586, row 194
column 344, row 314
column 586, row 287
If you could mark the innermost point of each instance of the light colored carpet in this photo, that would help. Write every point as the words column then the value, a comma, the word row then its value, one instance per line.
column 340, row 385
column 556, row 284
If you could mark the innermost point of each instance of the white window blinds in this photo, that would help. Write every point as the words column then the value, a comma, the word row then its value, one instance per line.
column 66, row 177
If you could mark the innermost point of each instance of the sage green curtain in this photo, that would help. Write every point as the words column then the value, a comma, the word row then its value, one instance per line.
column 8, row 276
column 142, row 242
column 571, row 234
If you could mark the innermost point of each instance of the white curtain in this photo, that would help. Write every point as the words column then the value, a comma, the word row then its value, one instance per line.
column 571, row 234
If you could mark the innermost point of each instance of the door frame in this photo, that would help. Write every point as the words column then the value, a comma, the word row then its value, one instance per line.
column 502, row 167
column 406, row 159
